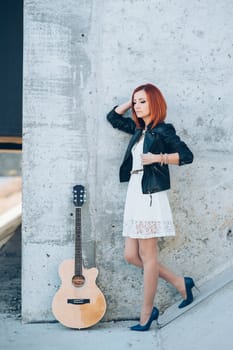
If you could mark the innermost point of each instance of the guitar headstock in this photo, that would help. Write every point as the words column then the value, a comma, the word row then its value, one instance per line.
column 79, row 195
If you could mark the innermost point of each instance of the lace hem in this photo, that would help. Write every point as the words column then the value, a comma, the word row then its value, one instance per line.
column 148, row 229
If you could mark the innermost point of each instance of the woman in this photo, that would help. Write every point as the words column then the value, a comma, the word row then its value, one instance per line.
column 147, row 216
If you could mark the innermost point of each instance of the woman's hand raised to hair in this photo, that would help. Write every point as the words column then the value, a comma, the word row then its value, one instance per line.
column 124, row 107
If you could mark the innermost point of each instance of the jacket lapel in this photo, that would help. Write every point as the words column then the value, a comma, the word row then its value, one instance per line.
column 132, row 141
column 152, row 136
column 148, row 141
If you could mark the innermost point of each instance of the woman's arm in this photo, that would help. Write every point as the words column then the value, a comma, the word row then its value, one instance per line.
column 176, row 149
column 116, row 119
column 149, row 158
column 175, row 144
column 124, row 107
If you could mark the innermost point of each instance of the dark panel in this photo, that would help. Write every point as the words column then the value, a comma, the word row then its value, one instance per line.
column 11, row 65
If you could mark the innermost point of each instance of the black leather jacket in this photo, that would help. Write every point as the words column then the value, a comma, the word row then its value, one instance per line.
column 161, row 138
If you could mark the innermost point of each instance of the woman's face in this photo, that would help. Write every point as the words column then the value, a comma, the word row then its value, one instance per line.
column 141, row 105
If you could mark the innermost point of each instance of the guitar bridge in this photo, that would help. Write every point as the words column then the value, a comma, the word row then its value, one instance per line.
column 78, row 301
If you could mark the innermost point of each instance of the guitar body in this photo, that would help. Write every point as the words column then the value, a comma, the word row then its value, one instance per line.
column 78, row 303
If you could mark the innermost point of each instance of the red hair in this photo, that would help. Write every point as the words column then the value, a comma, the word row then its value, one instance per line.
column 157, row 105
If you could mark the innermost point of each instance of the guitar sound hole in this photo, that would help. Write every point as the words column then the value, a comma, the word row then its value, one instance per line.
column 78, row 280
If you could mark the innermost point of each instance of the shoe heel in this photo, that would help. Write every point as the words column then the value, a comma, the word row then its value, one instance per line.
column 153, row 317
column 189, row 284
column 197, row 288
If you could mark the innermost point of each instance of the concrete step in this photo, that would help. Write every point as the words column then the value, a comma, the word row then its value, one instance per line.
column 206, row 290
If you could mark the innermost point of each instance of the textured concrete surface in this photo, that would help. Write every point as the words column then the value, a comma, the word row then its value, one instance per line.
column 207, row 326
column 81, row 60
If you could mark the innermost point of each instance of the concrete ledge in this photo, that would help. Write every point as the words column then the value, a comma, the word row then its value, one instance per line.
column 206, row 290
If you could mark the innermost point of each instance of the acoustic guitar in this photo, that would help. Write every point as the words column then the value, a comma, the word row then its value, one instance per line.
column 79, row 303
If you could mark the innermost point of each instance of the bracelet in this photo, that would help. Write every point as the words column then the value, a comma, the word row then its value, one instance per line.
column 163, row 159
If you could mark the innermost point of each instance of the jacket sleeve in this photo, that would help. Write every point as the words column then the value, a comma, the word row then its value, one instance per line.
column 175, row 144
column 118, row 121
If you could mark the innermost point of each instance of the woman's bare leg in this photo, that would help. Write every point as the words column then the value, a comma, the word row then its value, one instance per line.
column 172, row 278
column 132, row 257
column 148, row 255
column 131, row 253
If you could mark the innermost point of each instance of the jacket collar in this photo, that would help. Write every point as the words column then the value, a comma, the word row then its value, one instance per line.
column 149, row 126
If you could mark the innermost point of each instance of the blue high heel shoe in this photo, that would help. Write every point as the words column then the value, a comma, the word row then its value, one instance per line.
column 154, row 316
column 189, row 284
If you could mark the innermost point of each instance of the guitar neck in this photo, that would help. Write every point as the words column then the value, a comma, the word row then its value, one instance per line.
column 78, row 242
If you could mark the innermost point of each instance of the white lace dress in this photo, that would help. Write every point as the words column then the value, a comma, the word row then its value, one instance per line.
column 145, row 216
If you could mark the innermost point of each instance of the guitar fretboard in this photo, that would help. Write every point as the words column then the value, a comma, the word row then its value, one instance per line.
column 78, row 242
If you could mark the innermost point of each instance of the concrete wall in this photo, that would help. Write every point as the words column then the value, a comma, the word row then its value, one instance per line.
column 80, row 59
